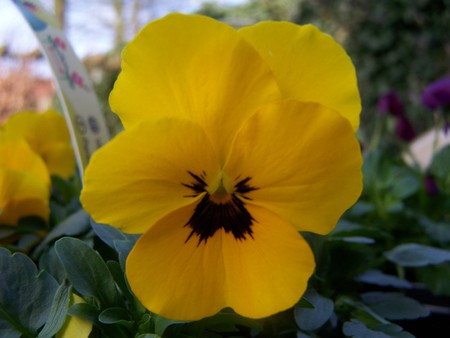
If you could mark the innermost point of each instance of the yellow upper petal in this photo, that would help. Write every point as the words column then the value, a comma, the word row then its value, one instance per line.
column 194, row 67
column 47, row 135
column 304, row 161
column 309, row 65
column 142, row 174
column 187, row 280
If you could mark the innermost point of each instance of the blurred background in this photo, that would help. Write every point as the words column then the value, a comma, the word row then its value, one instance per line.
column 397, row 46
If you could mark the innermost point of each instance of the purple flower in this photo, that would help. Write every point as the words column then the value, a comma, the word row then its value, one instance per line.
column 392, row 104
column 437, row 94
column 404, row 129
column 431, row 186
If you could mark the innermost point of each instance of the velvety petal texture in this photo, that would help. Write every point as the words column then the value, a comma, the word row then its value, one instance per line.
column 48, row 136
column 309, row 65
column 187, row 65
column 233, row 141
column 304, row 160
column 186, row 280
column 147, row 182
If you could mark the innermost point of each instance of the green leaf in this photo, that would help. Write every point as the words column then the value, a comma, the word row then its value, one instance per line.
column 161, row 324
column 115, row 315
column 85, row 311
column 417, row 255
column 393, row 330
column 145, row 323
column 75, row 224
column 354, row 239
column 110, row 235
column 440, row 167
column 436, row 278
column 6, row 231
column 377, row 277
column 438, row 231
column 148, row 335
column 312, row 319
column 26, row 295
column 394, row 305
column 6, row 332
column 116, row 239
column 57, row 313
column 50, row 262
column 356, row 329
column 87, row 271
column 119, row 277
column 387, row 183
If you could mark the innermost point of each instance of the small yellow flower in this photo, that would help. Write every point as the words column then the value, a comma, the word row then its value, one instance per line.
column 48, row 136
column 234, row 141
column 75, row 327
column 24, row 182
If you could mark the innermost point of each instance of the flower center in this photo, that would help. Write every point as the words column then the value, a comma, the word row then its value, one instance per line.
column 220, row 209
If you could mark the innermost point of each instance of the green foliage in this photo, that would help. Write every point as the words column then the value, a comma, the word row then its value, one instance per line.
column 31, row 302
column 398, row 45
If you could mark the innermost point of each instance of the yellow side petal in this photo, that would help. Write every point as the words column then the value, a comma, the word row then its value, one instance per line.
column 309, row 65
column 142, row 174
column 186, row 280
column 47, row 135
column 304, row 161
column 196, row 67
column 21, row 195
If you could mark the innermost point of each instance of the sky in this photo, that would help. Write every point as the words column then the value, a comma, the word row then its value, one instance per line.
column 87, row 32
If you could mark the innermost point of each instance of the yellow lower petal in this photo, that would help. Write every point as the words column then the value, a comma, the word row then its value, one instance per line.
column 269, row 273
column 187, row 280
column 174, row 278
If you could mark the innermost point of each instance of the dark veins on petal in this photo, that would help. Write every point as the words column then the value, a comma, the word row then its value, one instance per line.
column 209, row 216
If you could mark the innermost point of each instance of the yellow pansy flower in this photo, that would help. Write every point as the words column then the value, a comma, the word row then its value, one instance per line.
column 24, row 182
column 234, row 141
column 47, row 134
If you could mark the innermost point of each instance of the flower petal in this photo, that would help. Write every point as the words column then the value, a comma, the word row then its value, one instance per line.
column 304, row 161
column 309, row 65
column 142, row 174
column 269, row 273
column 21, row 195
column 195, row 67
column 16, row 154
column 47, row 135
column 187, row 280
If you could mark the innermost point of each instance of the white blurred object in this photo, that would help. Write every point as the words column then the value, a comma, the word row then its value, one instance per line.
column 424, row 146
